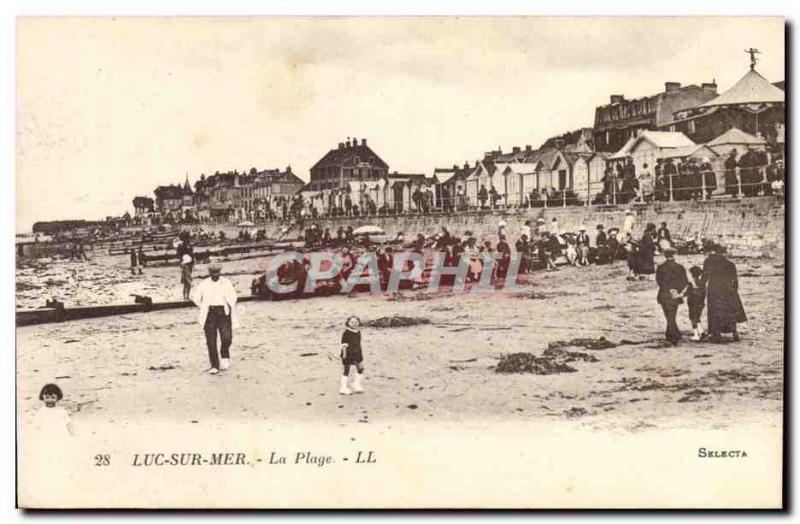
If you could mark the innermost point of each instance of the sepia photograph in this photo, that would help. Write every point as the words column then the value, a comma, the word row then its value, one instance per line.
column 351, row 262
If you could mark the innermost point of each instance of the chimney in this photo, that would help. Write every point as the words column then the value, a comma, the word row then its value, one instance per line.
column 515, row 150
column 355, row 141
column 466, row 165
column 617, row 99
column 455, row 167
column 341, row 145
column 710, row 87
column 363, row 141
column 671, row 87
column 528, row 148
column 288, row 169
column 348, row 142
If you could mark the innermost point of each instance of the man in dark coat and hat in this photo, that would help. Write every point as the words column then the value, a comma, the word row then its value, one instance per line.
column 725, row 308
column 672, row 281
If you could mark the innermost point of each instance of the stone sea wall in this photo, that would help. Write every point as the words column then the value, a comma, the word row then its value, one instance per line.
column 751, row 227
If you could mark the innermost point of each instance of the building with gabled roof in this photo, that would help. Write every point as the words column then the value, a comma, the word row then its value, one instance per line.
column 350, row 161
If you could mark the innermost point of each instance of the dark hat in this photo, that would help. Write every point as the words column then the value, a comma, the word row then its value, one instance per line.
column 599, row 226
column 214, row 268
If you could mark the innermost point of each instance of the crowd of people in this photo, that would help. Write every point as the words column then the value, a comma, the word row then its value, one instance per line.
column 541, row 245
column 751, row 174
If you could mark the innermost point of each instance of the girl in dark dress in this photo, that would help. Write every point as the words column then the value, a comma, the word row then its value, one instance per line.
column 352, row 356
column 696, row 300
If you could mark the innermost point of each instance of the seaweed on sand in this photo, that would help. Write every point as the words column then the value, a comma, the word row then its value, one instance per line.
column 395, row 321
column 568, row 356
column 586, row 343
column 529, row 363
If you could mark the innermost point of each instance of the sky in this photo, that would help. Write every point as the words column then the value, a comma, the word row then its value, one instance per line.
column 110, row 108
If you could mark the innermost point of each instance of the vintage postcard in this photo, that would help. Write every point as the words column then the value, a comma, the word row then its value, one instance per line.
column 413, row 262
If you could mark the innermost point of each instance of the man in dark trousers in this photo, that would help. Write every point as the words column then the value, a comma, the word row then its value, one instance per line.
column 216, row 298
column 672, row 281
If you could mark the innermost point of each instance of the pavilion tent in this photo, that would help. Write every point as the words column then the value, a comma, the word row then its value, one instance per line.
column 752, row 90
column 753, row 95
column 735, row 138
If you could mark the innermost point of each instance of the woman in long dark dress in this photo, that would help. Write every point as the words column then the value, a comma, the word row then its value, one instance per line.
column 647, row 249
column 725, row 308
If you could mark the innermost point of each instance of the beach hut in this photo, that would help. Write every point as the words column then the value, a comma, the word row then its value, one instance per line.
column 597, row 163
column 652, row 145
column 497, row 181
column 554, row 170
column 515, row 176
column 478, row 176
column 580, row 176
column 443, row 186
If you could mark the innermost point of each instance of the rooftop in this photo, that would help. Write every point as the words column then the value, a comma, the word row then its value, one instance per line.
column 752, row 88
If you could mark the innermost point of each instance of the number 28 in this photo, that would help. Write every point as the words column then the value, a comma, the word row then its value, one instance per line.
column 102, row 460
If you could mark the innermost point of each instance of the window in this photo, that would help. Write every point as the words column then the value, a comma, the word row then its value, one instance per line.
column 691, row 127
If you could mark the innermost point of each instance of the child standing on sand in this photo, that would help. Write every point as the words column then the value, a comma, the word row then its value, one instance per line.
column 352, row 356
column 52, row 420
column 696, row 300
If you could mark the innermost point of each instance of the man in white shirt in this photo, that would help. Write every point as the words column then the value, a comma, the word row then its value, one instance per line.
column 216, row 297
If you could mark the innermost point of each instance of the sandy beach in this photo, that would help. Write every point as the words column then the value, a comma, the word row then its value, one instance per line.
column 285, row 365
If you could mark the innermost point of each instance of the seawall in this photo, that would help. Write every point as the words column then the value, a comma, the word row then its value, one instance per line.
column 752, row 227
